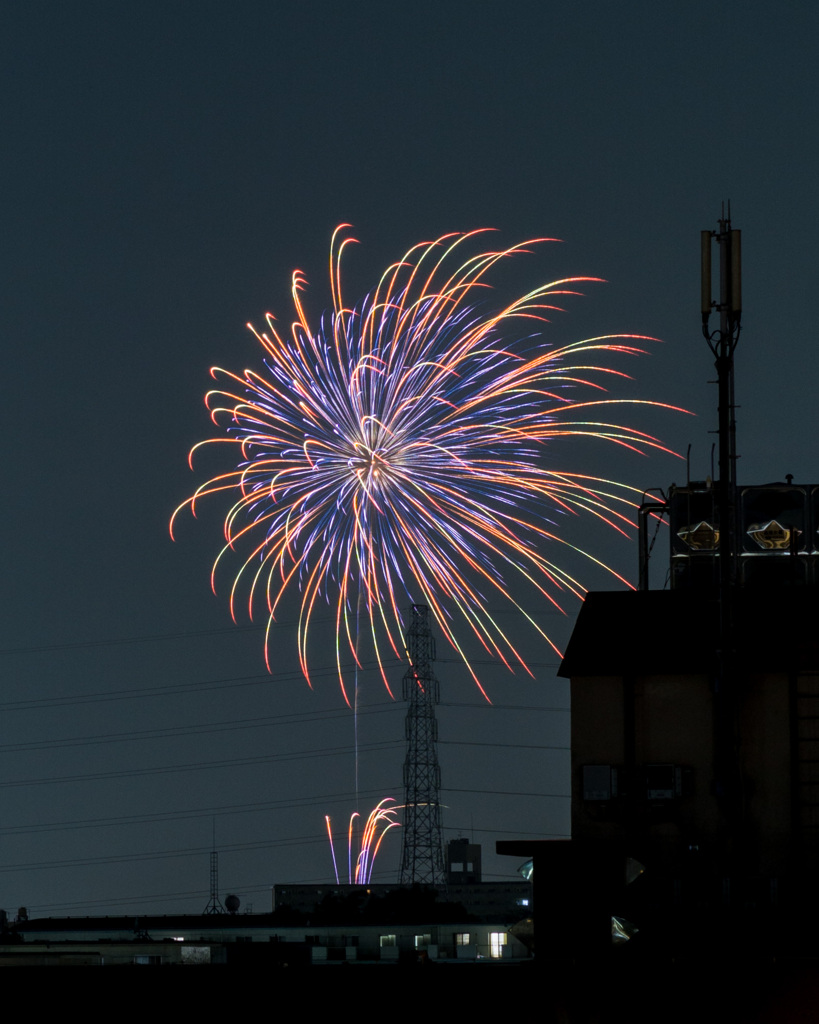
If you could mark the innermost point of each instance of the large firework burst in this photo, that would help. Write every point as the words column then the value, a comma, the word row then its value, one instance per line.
column 399, row 451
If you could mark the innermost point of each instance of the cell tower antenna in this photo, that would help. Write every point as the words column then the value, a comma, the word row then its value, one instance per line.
column 422, row 858
column 723, row 342
column 214, row 903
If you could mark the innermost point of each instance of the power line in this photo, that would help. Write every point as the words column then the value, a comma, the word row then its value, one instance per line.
column 193, row 851
column 173, row 732
column 506, row 792
column 169, row 689
column 505, row 746
column 238, row 762
column 193, row 813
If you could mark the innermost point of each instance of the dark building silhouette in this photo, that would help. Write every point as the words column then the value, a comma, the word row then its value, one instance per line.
column 463, row 862
column 695, row 721
column 723, row 815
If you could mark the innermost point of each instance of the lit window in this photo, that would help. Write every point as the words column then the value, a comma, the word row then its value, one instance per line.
column 386, row 940
column 422, row 941
column 497, row 940
column 462, row 938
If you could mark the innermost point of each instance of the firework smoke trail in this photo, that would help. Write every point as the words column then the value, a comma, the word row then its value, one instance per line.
column 355, row 687
column 381, row 819
column 398, row 450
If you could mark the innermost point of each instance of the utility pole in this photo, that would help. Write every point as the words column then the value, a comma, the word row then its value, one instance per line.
column 723, row 342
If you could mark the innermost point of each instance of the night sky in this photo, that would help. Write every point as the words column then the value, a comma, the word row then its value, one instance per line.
column 166, row 168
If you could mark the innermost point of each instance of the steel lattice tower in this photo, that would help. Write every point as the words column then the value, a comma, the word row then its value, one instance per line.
column 422, row 859
column 214, row 903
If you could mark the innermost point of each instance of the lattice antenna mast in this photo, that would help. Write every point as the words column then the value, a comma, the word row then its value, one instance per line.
column 422, row 859
column 723, row 342
column 214, row 903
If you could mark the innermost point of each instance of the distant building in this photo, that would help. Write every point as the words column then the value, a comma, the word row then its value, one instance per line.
column 463, row 862
column 486, row 901
column 251, row 939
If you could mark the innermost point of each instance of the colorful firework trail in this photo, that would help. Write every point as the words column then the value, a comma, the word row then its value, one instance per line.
column 405, row 450
column 378, row 824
